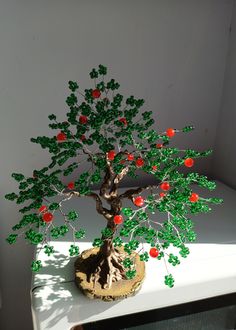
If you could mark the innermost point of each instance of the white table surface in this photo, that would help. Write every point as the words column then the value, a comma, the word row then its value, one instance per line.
column 208, row 271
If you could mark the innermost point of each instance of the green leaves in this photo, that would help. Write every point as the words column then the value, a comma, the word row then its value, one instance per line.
column 36, row 266
column 48, row 250
column 174, row 260
column 11, row 196
column 72, row 215
column 169, row 281
column 187, row 129
column 98, row 242
column 74, row 250
column 80, row 234
column 73, row 86
column 18, row 176
column 71, row 100
column 107, row 233
column 11, row 239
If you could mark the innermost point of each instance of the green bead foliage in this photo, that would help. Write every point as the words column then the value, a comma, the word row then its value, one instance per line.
column 48, row 250
column 169, row 281
column 74, row 250
column 102, row 130
column 36, row 266
column 98, row 242
column 80, row 234
column 11, row 239
column 130, row 274
column 72, row 215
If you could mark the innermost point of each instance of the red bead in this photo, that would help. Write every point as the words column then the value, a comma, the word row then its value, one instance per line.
column 170, row 132
column 189, row 162
column 47, row 217
column 162, row 194
column 194, row 197
column 61, row 136
column 123, row 121
column 139, row 162
column 118, row 219
column 43, row 208
column 83, row 120
column 154, row 252
column 159, row 145
column 96, row 93
column 154, row 167
column 71, row 185
column 122, row 161
column 83, row 137
column 139, row 201
column 165, row 186
column 111, row 155
column 130, row 157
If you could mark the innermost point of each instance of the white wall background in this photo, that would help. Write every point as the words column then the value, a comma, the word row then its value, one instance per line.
column 224, row 160
column 171, row 53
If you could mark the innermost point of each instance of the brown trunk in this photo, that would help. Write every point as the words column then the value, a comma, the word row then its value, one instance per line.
column 108, row 265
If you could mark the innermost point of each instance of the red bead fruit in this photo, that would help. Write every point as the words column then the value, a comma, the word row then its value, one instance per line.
column 154, row 167
column 162, row 194
column 170, row 132
column 159, row 145
column 43, row 208
column 123, row 121
column 139, row 201
column 71, row 185
column 118, row 219
column 83, row 137
column 47, row 217
column 139, row 162
column 130, row 157
column 61, row 137
column 154, row 252
column 96, row 93
column 111, row 155
column 165, row 186
column 189, row 162
column 194, row 197
column 83, row 120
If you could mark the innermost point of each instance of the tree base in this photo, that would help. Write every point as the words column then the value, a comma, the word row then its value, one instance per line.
column 120, row 289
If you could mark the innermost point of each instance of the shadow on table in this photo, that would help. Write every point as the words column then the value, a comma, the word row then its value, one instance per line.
column 65, row 300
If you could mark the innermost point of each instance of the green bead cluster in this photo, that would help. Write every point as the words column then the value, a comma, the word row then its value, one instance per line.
column 131, row 246
column 58, row 232
column 36, row 266
column 73, row 86
column 127, row 211
column 98, row 242
column 48, row 250
column 174, row 260
column 11, row 239
column 169, row 281
column 117, row 242
column 80, row 234
column 130, row 274
column 53, row 206
column 18, row 176
column 107, row 233
column 144, row 256
column 72, row 215
column 33, row 237
column 128, row 263
column 74, row 250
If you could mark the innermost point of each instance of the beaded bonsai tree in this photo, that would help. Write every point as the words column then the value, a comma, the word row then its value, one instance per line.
column 117, row 141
